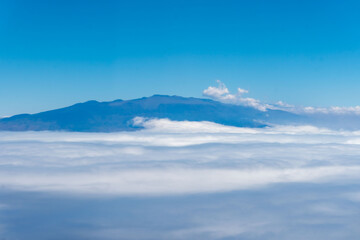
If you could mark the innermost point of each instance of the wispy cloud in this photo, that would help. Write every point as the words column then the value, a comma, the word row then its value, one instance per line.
column 221, row 93
column 171, row 180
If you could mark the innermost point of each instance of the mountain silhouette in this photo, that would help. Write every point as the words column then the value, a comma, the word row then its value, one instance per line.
column 94, row 116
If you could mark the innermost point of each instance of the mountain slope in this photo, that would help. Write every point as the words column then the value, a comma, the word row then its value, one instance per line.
column 93, row 116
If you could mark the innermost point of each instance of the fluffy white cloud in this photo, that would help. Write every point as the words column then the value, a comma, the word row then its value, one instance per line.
column 221, row 93
column 241, row 183
column 171, row 157
column 169, row 126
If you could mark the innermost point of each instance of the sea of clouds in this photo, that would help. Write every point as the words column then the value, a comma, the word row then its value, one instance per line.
column 306, row 179
column 170, row 157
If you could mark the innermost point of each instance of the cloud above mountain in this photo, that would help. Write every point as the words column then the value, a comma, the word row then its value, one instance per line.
column 221, row 93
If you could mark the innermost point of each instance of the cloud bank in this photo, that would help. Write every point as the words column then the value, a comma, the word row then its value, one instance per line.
column 171, row 157
column 181, row 180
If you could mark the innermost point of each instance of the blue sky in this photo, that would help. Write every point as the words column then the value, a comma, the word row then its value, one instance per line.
column 56, row 53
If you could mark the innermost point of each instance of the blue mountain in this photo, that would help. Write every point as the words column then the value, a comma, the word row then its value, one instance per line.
column 94, row 116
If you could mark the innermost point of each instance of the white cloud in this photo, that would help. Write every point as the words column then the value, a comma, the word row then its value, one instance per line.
column 335, row 110
column 219, row 92
column 169, row 126
column 222, row 94
column 171, row 180
column 331, row 110
column 241, row 183
column 172, row 157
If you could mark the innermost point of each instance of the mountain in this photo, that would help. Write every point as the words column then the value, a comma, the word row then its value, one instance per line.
column 93, row 116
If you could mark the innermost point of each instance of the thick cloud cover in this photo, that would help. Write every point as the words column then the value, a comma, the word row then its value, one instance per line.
column 181, row 180
column 176, row 158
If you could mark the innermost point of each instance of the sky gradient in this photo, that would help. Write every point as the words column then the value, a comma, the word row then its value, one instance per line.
column 56, row 53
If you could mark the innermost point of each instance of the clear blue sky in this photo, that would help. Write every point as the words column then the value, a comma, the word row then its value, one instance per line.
column 56, row 53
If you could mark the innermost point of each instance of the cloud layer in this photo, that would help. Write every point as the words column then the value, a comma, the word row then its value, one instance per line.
column 170, row 157
column 181, row 180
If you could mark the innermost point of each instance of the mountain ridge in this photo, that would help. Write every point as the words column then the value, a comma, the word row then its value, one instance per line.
column 117, row 115
column 111, row 116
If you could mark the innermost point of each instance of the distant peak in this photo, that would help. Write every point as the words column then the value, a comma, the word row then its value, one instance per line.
column 161, row 95
column 166, row 96
column 91, row 101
